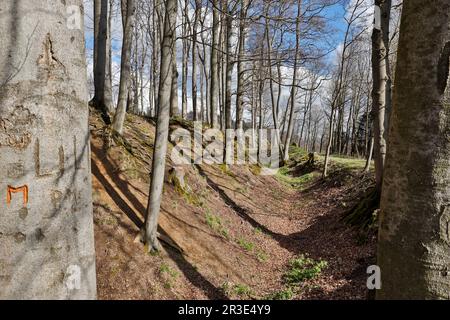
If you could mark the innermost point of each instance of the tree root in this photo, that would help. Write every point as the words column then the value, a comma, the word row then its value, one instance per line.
column 122, row 141
column 363, row 214
column 153, row 245
column 103, row 111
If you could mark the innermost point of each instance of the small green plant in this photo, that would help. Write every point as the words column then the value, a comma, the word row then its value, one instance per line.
column 258, row 230
column 108, row 220
column 226, row 287
column 225, row 169
column 247, row 245
column 169, row 275
column 166, row 269
column 194, row 199
column 215, row 223
column 242, row 290
column 284, row 171
column 242, row 190
column 153, row 253
column 303, row 268
column 300, row 182
column 262, row 256
column 284, row 294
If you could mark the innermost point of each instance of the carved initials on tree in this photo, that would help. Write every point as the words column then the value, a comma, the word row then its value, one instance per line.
column 11, row 190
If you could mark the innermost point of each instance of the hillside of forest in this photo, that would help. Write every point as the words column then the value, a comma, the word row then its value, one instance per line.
column 230, row 233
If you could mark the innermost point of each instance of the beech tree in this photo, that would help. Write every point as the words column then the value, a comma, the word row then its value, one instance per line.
column 102, row 100
column 214, row 82
column 290, row 129
column 380, row 93
column 197, row 12
column 185, row 57
column 128, row 17
column 162, row 127
column 414, row 239
column 241, row 65
column 45, row 177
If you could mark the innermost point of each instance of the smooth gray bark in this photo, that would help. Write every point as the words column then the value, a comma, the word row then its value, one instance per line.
column 46, row 228
column 228, row 24
column 194, row 63
column 240, row 66
column 128, row 17
column 174, row 110
column 290, row 129
column 162, row 126
column 185, row 58
column 380, row 63
column 214, row 82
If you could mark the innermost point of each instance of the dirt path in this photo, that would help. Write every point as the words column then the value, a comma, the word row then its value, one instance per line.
column 237, row 232
column 308, row 222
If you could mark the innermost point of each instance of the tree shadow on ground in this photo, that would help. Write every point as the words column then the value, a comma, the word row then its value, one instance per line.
column 283, row 240
column 189, row 271
column 327, row 238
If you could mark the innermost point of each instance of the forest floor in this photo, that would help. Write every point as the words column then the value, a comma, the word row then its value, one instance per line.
column 234, row 234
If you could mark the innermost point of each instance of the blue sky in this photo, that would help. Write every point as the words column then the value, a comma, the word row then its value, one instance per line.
column 334, row 14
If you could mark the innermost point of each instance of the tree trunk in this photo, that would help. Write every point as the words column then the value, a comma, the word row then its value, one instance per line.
column 184, row 67
column 369, row 156
column 414, row 238
column 194, row 63
column 103, row 96
column 202, row 98
column 108, row 84
column 330, row 141
column 290, row 129
column 156, row 25
column 174, row 110
column 380, row 63
column 272, row 94
column 46, row 222
column 214, row 67
column 228, row 66
column 128, row 14
column 240, row 66
column 162, row 127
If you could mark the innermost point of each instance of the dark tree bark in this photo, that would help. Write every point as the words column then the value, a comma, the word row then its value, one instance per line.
column 102, row 100
column 414, row 238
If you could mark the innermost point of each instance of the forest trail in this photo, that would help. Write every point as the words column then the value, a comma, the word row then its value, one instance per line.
column 240, row 235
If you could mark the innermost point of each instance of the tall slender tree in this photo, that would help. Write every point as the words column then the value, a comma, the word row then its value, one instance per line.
column 162, row 126
column 290, row 130
column 174, row 110
column 380, row 64
column 241, row 66
column 214, row 82
column 195, row 113
column 128, row 18
column 102, row 99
